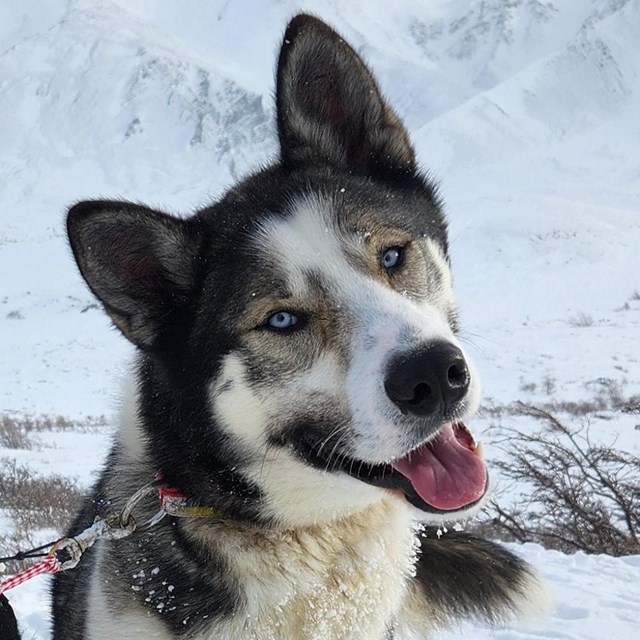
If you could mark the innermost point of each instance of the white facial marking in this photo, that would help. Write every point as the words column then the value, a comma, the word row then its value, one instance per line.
column 380, row 324
column 236, row 404
column 304, row 240
column 386, row 322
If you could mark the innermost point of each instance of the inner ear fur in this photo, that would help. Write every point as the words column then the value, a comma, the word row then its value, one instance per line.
column 139, row 263
column 330, row 108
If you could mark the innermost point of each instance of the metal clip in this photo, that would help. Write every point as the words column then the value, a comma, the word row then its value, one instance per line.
column 126, row 519
column 74, row 550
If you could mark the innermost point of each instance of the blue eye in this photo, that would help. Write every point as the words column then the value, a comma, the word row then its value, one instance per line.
column 282, row 320
column 391, row 257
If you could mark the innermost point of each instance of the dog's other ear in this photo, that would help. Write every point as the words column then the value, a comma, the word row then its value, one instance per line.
column 140, row 263
column 330, row 108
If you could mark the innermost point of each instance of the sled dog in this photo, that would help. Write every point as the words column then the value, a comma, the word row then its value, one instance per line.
column 300, row 381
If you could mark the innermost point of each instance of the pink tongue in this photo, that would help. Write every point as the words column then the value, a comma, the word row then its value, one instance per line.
column 444, row 473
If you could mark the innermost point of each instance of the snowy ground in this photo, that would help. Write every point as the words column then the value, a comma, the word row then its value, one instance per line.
column 597, row 599
column 526, row 112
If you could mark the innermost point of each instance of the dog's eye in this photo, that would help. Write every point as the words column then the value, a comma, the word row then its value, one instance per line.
column 391, row 257
column 282, row 320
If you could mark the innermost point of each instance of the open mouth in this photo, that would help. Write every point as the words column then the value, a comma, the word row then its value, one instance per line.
column 442, row 475
column 447, row 473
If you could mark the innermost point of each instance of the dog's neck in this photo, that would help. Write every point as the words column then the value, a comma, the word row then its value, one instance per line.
column 367, row 558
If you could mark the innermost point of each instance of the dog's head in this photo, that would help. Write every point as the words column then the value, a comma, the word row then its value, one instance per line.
column 299, row 336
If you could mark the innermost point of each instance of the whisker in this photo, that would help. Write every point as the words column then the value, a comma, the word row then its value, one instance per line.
column 339, row 441
column 333, row 433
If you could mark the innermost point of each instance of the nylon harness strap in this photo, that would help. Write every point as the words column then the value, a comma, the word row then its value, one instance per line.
column 174, row 503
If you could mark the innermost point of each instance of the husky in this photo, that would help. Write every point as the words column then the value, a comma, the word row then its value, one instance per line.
column 300, row 379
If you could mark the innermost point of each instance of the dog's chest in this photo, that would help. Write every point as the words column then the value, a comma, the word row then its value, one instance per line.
column 323, row 584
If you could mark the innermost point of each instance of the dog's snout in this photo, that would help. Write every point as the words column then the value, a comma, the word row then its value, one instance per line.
column 428, row 382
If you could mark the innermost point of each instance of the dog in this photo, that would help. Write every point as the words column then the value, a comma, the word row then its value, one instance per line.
column 300, row 380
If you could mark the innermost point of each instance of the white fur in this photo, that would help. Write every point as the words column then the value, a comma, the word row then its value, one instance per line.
column 340, row 580
column 299, row 495
column 444, row 290
column 536, row 600
column 130, row 434
column 239, row 409
column 282, row 477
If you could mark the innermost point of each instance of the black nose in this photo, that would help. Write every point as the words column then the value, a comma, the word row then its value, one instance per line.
column 429, row 381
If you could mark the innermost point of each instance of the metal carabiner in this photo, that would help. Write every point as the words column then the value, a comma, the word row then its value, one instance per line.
column 126, row 515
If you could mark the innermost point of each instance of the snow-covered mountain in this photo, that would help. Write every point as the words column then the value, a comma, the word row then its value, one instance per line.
column 525, row 110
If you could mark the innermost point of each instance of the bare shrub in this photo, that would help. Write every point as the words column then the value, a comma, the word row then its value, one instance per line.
column 607, row 396
column 582, row 496
column 549, row 385
column 631, row 405
column 609, row 391
column 18, row 427
column 528, row 387
column 581, row 319
column 14, row 434
column 579, row 408
column 34, row 502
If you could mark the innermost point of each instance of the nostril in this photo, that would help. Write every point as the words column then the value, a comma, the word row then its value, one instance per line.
column 457, row 375
column 421, row 392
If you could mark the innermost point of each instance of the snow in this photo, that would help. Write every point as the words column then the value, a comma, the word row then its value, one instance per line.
column 596, row 597
column 525, row 111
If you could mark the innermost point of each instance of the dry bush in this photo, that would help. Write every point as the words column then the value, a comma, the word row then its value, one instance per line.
column 14, row 434
column 17, row 431
column 48, row 422
column 607, row 396
column 582, row 496
column 34, row 502
column 581, row 319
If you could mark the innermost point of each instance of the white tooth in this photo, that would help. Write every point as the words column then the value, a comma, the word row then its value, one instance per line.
column 479, row 450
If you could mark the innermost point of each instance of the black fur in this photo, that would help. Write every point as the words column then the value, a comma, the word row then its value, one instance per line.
column 330, row 109
column 464, row 577
column 139, row 263
column 8, row 623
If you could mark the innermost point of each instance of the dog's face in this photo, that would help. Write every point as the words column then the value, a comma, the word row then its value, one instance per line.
column 311, row 310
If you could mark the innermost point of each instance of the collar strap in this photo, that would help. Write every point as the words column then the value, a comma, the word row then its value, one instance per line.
column 174, row 503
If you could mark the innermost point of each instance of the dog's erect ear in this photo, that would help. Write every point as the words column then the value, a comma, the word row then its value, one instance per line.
column 330, row 108
column 140, row 263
